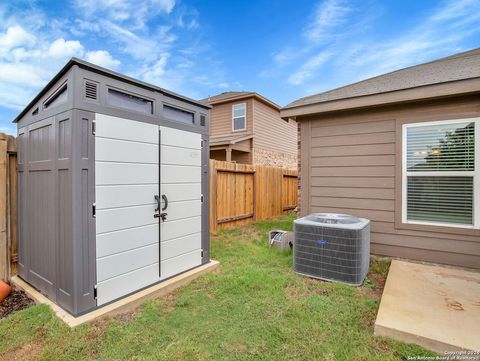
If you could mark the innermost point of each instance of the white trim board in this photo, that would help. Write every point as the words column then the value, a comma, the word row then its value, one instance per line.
column 126, row 304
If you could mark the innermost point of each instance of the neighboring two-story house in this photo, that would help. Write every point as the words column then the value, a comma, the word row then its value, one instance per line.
column 246, row 127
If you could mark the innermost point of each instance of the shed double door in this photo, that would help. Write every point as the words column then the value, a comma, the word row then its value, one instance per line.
column 137, row 163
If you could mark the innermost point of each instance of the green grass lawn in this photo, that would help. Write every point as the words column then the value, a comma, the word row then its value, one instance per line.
column 253, row 307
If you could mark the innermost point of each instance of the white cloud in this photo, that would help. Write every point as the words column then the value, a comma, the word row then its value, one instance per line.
column 22, row 74
column 155, row 73
column 138, row 47
column 61, row 48
column 309, row 69
column 328, row 15
column 15, row 36
column 102, row 58
column 136, row 13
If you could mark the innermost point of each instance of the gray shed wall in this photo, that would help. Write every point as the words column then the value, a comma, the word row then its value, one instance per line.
column 56, row 186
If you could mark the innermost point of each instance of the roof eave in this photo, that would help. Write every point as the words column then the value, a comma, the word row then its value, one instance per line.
column 246, row 96
column 440, row 90
column 213, row 142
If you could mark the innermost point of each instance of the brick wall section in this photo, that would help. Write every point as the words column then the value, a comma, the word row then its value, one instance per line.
column 274, row 159
column 299, row 165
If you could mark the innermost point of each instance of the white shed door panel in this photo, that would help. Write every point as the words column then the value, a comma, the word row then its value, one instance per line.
column 180, row 228
column 114, row 150
column 180, row 181
column 184, row 156
column 127, row 166
column 125, row 129
column 111, row 243
column 126, row 181
column 125, row 195
column 180, row 138
column 114, row 219
column 119, row 286
column 116, row 173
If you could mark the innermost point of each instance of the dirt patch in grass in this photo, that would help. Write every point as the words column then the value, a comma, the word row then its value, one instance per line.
column 29, row 350
column 293, row 291
column 316, row 285
column 15, row 301
column 376, row 278
column 97, row 330
column 125, row 317
column 313, row 286
column 169, row 301
column 237, row 347
column 380, row 344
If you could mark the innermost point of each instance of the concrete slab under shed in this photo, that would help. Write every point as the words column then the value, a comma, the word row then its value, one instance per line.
column 122, row 305
column 433, row 306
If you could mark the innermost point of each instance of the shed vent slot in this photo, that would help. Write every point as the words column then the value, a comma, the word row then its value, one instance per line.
column 90, row 90
column 202, row 120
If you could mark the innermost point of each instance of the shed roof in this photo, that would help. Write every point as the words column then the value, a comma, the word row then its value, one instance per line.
column 100, row 70
column 457, row 67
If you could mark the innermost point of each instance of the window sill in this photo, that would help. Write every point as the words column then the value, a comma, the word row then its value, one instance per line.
column 467, row 230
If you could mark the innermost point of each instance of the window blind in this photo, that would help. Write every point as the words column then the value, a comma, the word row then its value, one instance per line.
column 432, row 194
column 440, row 199
column 443, row 147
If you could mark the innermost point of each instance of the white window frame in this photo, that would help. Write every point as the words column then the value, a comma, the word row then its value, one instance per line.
column 234, row 117
column 475, row 174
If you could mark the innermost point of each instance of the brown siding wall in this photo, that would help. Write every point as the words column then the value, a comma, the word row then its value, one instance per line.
column 221, row 119
column 275, row 140
column 351, row 163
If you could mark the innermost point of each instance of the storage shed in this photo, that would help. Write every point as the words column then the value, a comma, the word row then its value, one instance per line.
column 113, row 187
column 403, row 150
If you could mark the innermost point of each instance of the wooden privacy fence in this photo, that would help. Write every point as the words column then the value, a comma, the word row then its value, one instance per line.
column 8, row 207
column 240, row 193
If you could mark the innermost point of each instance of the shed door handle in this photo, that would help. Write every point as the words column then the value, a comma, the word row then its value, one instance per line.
column 165, row 199
column 157, row 199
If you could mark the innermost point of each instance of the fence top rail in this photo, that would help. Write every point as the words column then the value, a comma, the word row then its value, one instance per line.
column 235, row 171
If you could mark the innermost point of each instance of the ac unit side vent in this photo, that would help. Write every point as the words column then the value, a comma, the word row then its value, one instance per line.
column 91, row 90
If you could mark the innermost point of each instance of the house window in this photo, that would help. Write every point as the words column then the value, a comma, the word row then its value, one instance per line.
column 441, row 173
column 239, row 116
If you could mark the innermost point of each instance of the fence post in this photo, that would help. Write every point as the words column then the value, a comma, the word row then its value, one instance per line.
column 4, row 256
column 12, row 189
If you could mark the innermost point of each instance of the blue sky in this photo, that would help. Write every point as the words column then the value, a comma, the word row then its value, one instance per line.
column 282, row 49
